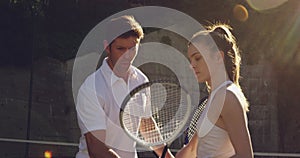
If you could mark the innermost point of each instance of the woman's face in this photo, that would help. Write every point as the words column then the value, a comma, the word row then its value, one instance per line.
column 198, row 64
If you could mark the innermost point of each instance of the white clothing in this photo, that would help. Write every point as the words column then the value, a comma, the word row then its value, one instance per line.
column 98, row 105
column 215, row 141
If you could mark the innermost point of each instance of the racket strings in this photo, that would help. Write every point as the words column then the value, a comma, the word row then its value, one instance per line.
column 170, row 113
column 168, row 107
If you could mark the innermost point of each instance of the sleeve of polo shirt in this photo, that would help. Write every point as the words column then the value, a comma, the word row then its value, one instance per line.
column 90, row 113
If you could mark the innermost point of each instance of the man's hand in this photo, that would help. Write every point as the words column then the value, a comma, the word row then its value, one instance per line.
column 144, row 128
column 159, row 151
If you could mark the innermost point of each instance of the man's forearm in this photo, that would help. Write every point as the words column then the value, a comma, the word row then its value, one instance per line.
column 100, row 151
column 96, row 147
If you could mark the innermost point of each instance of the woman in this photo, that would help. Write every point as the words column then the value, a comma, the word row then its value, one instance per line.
column 222, row 127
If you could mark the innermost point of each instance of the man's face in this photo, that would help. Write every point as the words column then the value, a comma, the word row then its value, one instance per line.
column 121, row 53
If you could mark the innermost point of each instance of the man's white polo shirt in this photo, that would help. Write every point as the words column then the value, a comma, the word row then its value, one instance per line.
column 98, row 104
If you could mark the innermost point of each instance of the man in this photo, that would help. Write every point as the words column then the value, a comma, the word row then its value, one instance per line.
column 100, row 96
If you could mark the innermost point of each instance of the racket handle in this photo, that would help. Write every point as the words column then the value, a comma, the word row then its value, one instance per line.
column 163, row 155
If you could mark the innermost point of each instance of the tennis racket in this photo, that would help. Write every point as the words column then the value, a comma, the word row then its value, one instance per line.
column 155, row 113
column 193, row 124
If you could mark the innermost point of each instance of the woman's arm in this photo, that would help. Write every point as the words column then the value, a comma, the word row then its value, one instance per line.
column 235, row 123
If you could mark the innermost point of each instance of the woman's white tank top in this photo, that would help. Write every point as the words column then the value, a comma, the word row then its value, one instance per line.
column 214, row 141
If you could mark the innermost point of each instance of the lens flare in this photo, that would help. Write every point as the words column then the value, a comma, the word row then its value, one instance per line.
column 240, row 12
column 48, row 154
column 262, row 5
